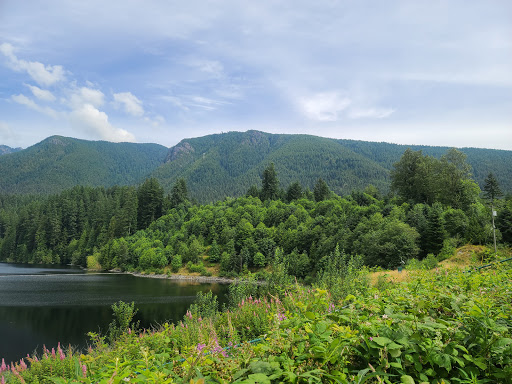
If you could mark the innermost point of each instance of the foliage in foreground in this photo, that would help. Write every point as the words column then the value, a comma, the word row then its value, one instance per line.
column 440, row 326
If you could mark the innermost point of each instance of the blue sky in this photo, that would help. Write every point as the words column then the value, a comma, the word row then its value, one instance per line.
column 408, row 72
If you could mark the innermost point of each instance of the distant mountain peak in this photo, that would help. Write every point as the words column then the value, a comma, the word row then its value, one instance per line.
column 4, row 149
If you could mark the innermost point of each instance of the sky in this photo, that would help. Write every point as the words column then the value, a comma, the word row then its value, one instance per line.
column 427, row 72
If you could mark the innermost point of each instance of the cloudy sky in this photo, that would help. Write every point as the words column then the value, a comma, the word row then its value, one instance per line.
column 410, row 72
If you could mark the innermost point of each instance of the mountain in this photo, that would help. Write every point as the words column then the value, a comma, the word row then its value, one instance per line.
column 4, row 150
column 58, row 163
column 227, row 164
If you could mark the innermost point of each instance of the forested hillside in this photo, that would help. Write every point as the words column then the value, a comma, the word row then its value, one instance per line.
column 59, row 163
column 227, row 164
column 436, row 207
column 221, row 165
column 4, row 149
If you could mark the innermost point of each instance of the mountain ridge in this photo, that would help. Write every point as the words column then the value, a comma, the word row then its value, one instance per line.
column 5, row 149
column 224, row 164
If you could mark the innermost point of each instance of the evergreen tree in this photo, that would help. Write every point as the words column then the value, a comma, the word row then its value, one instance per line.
column 435, row 233
column 321, row 190
column 179, row 193
column 253, row 191
column 270, row 184
column 150, row 196
column 491, row 188
column 294, row 192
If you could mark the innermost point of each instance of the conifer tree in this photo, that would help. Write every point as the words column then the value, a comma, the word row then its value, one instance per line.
column 270, row 184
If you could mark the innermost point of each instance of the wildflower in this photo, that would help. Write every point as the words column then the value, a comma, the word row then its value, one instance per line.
column 384, row 316
column 3, row 380
column 84, row 370
column 53, row 352
column 61, row 355
column 370, row 338
column 3, row 367
column 200, row 347
column 23, row 365
column 129, row 331
column 189, row 315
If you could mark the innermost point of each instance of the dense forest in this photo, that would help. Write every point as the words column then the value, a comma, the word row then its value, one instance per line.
column 433, row 207
column 223, row 165
column 58, row 163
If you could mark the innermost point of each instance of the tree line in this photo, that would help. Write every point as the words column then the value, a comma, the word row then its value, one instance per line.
column 434, row 206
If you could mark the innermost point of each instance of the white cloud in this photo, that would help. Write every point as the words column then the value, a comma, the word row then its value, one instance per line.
column 5, row 132
column 85, row 95
column 41, row 94
column 211, row 67
column 96, row 122
column 43, row 74
column 324, row 106
column 132, row 105
column 156, row 121
column 24, row 100
column 370, row 113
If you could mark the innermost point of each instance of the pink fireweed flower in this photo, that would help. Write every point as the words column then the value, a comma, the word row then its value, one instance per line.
column 3, row 380
column 200, row 347
column 84, row 370
column 53, row 352
column 370, row 338
column 129, row 331
column 23, row 365
column 3, row 367
column 189, row 315
column 61, row 355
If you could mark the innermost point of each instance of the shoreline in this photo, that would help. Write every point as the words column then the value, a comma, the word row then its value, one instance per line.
column 199, row 279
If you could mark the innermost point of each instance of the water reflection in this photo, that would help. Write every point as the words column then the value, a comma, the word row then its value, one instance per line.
column 47, row 305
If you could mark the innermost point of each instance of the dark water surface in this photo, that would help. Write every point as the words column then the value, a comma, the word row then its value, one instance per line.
column 40, row 305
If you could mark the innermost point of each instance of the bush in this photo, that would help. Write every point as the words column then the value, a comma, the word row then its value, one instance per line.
column 123, row 314
column 429, row 262
column 176, row 263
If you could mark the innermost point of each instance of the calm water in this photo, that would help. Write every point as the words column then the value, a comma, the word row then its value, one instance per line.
column 44, row 305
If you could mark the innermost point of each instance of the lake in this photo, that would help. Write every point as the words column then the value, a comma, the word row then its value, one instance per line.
column 44, row 305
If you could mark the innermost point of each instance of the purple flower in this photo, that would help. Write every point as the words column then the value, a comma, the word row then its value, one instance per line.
column 84, row 370
column 200, row 347
column 3, row 367
column 370, row 338
column 3, row 380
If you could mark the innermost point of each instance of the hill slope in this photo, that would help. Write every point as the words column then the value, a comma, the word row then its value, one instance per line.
column 4, row 150
column 227, row 164
column 58, row 163
column 220, row 165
